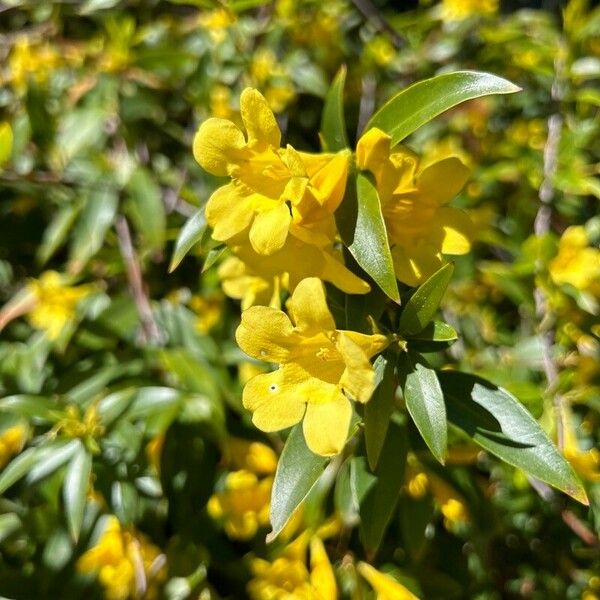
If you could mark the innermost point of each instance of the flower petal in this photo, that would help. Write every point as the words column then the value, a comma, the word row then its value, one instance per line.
column 458, row 230
column 413, row 265
column 308, row 307
column 370, row 344
column 358, row 379
column 442, row 180
column 329, row 183
column 228, row 211
column 217, row 144
column 259, row 119
column 334, row 271
column 321, row 574
column 276, row 404
column 270, row 229
column 372, row 149
column 385, row 585
column 326, row 425
column 265, row 333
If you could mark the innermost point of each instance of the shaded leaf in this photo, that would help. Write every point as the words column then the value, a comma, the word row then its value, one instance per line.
column 146, row 208
column 190, row 234
column 436, row 336
column 333, row 122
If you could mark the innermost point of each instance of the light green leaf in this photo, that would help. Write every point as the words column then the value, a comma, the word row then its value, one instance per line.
column 425, row 402
column 500, row 424
column 436, row 336
column 75, row 489
column 423, row 304
column 56, row 232
column 416, row 105
column 17, row 468
column 297, row 472
column 146, row 208
column 363, row 231
column 50, row 458
column 379, row 503
column 189, row 236
column 6, row 142
column 36, row 407
column 333, row 122
column 379, row 408
column 212, row 257
column 9, row 523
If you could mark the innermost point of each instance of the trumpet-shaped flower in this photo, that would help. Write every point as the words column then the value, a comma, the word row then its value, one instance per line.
column 273, row 190
column 386, row 587
column 421, row 228
column 320, row 368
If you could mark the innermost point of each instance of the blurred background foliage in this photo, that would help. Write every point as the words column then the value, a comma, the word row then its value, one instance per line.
column 130, row 469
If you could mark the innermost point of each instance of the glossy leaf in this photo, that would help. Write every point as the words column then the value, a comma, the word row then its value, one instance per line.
column 146, row 208
column 379, row 408
column 189, row 236
column 75, row 489
column 333, row 122
column 425, row 402
column 35, row 407
column 363, row 231
column 423, row 304
column 18, row 468
column 297, row 472
column 50, row 458
column 499, row 423
column 436, row 336
column 414, row 106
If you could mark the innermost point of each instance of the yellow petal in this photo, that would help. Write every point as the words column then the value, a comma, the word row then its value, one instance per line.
column 265, row 333
column 218, row 144
column 413, row 265
column 326, row 425
column 321, row 573
column 386, row 587
column 458, row 230
column 329, row 184
column 372, row 150
column 270, row 229
column 228, row 211
column 370, row 344
column 308, row 307
column 442, row 180
column 335, row 272
column 358, row 379
column 259, row 119
column 275, row 403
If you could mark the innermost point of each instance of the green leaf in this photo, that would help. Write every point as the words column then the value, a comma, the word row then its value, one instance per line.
column 353, row 481
column 416, row 105
column 436, row 336
column 423, row 304
column 379, row 503
column 9, row 523
column 425, row 402
column 56, row 232
column 146, row 208
column 50, row 458
column 17, row 468
column 189, row 236
column 379, row 408
column 212, row 257
column 114, row 405
column 297, row 472
column 333, row 122
column 97, row 216
column 33, row 407
column 6, row 142
column 75, row 489
column 363, row 231
column 500, row 424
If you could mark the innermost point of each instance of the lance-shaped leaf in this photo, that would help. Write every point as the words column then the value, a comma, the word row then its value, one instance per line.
column 333, row 123
column 18, row 468
column 362, row 228
column 190, row 234
column 75, row 489
column 436, row 336
column 425, row 402
column 414, row 106
column 423, row 304
column 297, row 472
column 500, row 424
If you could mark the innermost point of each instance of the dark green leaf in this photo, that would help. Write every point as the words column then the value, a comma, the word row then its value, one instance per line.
column 423, row 304
column 378, row 409
column 500, row 424
column 363, row 231
column 146, row 208
column 379, row 504
column 353, row 482
column 212, row 257
column 56, row 232
column 425, row 402
column 75, row 489
column 9, row 523
column 189, row 236
column 297, row 472
column 416, row 105
column 436, row 336
column 333, row 122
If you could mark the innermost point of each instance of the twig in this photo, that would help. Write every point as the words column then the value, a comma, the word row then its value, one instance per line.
column 580, row 529
column 375, row 16
column 542, row 223
column 150, row 332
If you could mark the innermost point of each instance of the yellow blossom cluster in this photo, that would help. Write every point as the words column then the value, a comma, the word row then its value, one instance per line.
column 457, row 10
column 12, row 441
column 126, row 563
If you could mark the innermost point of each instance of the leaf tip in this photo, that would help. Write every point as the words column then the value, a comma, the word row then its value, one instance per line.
column 270, row 537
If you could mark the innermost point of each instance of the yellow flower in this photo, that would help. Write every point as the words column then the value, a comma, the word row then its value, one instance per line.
column 320, row 368
column 220, row 102
column 154, row 451
column 53, row 303
column 208, row 309
column 273, row 191
column 119, row 558
column 288, row 576
column 279, row 95
column 12, row 441
column 457, row 10
column 243, row 505
column 413, row 197
column 29, row 60
column 386, row 587
column 253, row 456
column 576, row 262
column 217, row 22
